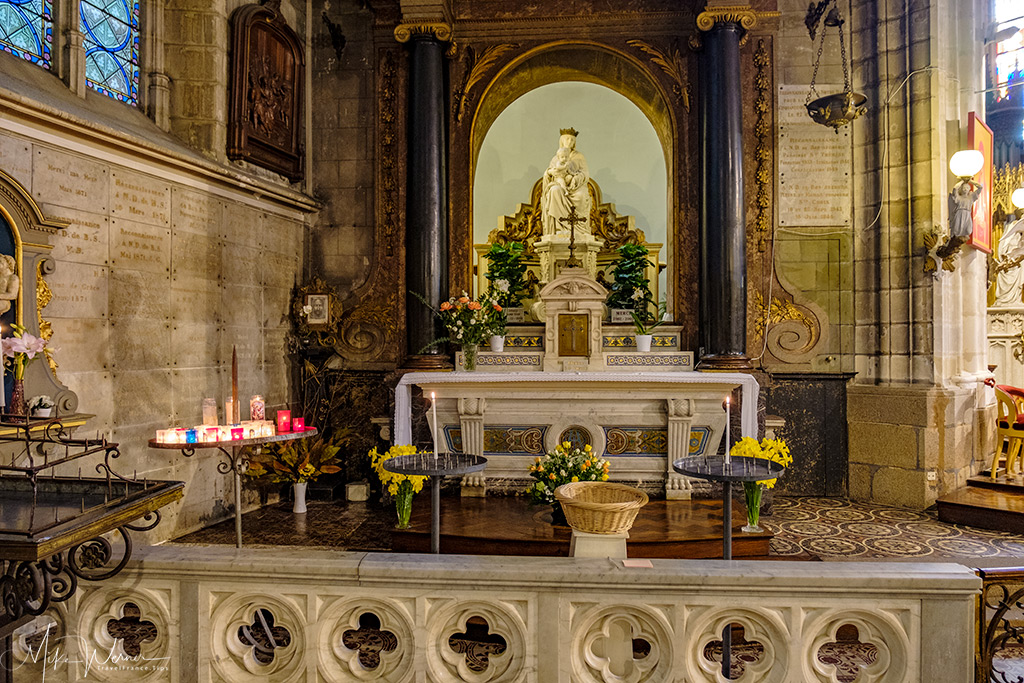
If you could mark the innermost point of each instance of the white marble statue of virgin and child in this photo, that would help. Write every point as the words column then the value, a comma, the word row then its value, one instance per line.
column 564, row 187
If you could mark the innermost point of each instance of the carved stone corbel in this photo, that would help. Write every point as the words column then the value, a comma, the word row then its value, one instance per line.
column 471, row 419
column 680, row 418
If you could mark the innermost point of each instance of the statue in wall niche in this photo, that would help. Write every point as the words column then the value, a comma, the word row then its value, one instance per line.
column 9, row 282
column 1009, row 273
column 565, row 186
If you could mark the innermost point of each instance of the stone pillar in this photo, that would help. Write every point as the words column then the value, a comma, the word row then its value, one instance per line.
column 471, row 420
column 426, row 228
column 723, row 271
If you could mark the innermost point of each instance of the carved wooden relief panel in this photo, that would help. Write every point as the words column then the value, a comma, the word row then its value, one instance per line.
column 267, row 71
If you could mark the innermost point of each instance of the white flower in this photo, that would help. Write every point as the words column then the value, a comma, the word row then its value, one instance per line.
column 501, row 285
column 637, row 294
column 306, row 310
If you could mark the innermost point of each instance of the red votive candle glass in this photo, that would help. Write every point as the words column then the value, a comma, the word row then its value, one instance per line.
column 298, row 424
column 237, row 434
column 284, row 421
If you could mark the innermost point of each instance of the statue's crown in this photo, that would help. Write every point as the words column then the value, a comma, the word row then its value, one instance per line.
column 569, row 131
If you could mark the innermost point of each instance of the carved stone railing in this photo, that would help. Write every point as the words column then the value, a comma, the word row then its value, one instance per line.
column 1001, row 626
column 220, row 614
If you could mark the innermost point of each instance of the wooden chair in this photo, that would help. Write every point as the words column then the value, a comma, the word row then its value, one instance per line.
column 1009, row 426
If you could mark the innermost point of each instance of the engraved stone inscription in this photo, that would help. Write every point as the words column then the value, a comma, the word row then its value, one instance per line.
column 84, row 240
column 136, row 294
column 89, row 337
column 139, row 198
column 196, row 301
column 139, row 246
column 79, row 291
column 814, row 165
column 16, row 160
column 69, row 181
column 241, row 265
column 195, row 212
column 195, row 256
column 242, row 224
column 281, row 235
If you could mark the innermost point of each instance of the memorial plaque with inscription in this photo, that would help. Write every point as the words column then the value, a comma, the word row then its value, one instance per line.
column 138, row 343
column 137, row 197
column 138, row 294
column 241, row 224
column 86, row 238
column 241, row 265
column 69, row 181
column 195, row 256
column 139, row 246
column 196, row 212
column 79, row 291
column 89, row 337
column 815, row 188
column 281, row 235
column 196, row 301
column 16, row 159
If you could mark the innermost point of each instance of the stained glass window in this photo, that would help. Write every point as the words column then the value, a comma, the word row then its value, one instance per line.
column 111, row 29
column 26, row 29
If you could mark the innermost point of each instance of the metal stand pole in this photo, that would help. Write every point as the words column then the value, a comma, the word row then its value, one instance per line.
column 435, row 514
column 727, row 555
column 238, row 497
column 7, row 659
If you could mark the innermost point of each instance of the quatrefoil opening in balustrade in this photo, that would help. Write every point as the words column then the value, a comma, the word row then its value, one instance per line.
column 370, row 640
column 131, row 630
column 847, row 654
column 263, row 637
column 618, row 653
column 477, row 644
column 744, row 653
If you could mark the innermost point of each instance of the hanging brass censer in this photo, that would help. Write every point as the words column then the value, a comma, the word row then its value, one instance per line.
column 838, row 109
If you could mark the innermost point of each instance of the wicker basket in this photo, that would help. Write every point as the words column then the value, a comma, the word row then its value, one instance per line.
column 599, row 507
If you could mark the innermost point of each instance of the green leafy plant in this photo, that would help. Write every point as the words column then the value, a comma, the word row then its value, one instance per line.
column 506, row 273
column 630, row 286
column 644, row 322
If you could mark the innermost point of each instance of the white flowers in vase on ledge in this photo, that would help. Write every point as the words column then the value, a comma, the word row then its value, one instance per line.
column 41, row 406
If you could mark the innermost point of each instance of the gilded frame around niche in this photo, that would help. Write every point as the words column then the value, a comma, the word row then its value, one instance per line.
column 316, row 313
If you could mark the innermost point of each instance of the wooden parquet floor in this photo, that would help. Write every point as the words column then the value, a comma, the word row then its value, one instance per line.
column 509, row 526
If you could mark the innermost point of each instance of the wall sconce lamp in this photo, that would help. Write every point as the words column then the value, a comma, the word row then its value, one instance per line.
column 965, row 164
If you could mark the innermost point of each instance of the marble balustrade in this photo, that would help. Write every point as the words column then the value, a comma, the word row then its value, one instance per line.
column 183, row 613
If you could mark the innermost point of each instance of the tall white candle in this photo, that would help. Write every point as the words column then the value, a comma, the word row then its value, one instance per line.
column 433, row 409
column 728, row 457
column 3, row 373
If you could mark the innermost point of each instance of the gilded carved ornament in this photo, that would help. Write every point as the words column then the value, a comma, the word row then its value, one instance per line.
column 744, row 15
column 44, row 295
column 763, row 151
column 672, row 65
column 438, row 29
column 476, row 67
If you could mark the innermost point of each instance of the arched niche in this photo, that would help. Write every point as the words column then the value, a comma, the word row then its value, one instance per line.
column 590, row 63
column 27, row 233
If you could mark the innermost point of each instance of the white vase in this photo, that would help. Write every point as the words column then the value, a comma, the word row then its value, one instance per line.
column 497, row 343
column 299, row 497
column 643, row 342
column 42, row 412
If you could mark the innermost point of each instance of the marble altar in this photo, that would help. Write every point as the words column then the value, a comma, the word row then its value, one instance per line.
column 641, row 421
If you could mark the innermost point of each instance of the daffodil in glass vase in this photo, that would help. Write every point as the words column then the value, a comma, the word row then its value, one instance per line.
column 400, row 487
column 774, row 450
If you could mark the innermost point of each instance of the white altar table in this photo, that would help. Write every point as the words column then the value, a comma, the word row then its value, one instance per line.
column 642, row 422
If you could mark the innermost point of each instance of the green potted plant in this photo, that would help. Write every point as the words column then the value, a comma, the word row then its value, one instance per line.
column 506, row 275
column 630, row 289
column 297, row 462
column 41, row 406
column 644, row 323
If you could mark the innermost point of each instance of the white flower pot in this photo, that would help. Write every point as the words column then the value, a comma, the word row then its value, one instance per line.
column 299, row 496
column 42, row 412
column 497, row 343
column 643, row 342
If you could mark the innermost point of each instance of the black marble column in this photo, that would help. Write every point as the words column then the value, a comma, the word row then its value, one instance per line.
column 426, row 230
column 723, row 270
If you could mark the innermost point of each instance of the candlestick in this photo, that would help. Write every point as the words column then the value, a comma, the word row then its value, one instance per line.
column 3, row 373
column 433, row 431
column 728, row 458
column 235, row 417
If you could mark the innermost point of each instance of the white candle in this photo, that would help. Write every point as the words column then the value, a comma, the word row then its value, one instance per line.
column 433, row 410
column 3, row 373
column 728, row 458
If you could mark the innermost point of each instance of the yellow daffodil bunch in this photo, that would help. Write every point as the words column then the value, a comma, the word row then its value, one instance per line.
column 775, row 450
column 391, row 481
column 563, row 465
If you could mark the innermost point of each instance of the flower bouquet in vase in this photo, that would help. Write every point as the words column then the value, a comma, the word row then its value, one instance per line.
column 297, row 462
column 563, row 465
column 19, row 351
column 400, row 487
column 774, row 450
column 471, row 323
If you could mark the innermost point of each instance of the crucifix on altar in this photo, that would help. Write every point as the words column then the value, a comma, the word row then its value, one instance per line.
column 572, row 220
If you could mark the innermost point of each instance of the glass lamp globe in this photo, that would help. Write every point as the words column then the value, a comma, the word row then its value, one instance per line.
column 966, row 163
column 1017, row 198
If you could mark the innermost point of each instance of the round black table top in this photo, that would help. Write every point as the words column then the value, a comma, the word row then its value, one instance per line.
column 426, row 464
column 714, row 468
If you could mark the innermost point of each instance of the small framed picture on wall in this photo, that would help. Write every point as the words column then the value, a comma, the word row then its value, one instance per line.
column 319, row 310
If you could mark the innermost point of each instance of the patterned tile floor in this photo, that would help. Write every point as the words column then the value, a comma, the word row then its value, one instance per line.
column 840, row 529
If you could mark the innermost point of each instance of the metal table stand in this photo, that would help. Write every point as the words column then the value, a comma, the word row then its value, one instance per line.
column 714, row 468
column 437, row 467
column 235, row 461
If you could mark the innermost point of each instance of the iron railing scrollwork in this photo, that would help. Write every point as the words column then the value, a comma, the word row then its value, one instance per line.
column 1000, row 624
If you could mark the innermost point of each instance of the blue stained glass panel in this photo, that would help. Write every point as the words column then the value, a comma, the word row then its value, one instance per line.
column 26, row 29
column 111, row 29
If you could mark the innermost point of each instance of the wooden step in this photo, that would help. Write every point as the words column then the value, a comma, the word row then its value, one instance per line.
column 1000, row 483
column 986, row 508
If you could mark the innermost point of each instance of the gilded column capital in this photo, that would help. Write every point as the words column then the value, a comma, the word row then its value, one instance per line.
column 438, row 29
column 744, row 15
